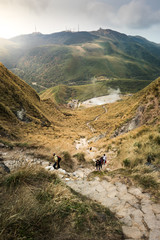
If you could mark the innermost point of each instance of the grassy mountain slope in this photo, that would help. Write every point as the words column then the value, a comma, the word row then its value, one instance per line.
column 143, row 140
column 66, row 38
column 18, row 102
column 49, row 66
column 144, row 104
column 75, row 58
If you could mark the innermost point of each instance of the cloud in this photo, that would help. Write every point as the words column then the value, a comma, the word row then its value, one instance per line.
column 137, row 14
column 129, row 13
column 36, row 6
column 57, row 15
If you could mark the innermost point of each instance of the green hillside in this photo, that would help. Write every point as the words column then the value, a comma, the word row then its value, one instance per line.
column 69, row 58
column 62, row 94
column 18, row 103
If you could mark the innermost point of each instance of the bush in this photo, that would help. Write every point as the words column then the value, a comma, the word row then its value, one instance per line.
column 126, row 162
column 80, row 157
column 157, row 140
column 67, row 161
column 146, row 181
column 138, row 144
column 150, row 137
column 66, row 156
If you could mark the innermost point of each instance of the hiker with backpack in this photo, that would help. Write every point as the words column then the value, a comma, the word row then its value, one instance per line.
column 104, row 159
column 57, row 160
column 101, row 162
column 97, row 164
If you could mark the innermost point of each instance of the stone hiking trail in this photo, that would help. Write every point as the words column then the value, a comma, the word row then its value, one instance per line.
column 140, row 217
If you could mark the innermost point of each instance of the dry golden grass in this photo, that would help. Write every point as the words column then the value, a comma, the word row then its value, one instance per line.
column 67, row 126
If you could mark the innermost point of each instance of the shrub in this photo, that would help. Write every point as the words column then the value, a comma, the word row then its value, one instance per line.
column 80, row 157
column 150, row 137
column 157, row 140
column 146, row 181
column 126, row 162
column 66, row 156
column 67, row 161
column 138, row 144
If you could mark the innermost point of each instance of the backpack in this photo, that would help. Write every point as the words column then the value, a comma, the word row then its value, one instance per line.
column 101, row 160
column 97, row 162
column 59, row 158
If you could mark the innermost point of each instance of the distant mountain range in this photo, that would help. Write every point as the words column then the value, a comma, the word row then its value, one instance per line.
column 75, row 58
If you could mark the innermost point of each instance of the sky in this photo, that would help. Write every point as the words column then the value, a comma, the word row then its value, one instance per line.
column 132, row 17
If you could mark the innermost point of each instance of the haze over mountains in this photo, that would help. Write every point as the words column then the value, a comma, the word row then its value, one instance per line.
column 75, row 58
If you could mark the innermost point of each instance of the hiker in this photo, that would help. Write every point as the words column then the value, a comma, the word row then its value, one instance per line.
column 98, row 164
column 101, row 162
column 59, row 159
column 104, row 159
column 55, row 157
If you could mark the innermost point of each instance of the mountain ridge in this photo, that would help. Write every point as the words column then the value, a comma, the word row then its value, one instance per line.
column 75, row 58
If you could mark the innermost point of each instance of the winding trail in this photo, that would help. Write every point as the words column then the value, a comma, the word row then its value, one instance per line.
column 140, row 217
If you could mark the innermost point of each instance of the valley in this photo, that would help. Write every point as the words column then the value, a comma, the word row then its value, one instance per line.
column 98, row 93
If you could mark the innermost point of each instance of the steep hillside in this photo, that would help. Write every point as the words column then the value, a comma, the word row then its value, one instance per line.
column 76, row 58
column 18, row 103
column 131, row 128
column 137, row 110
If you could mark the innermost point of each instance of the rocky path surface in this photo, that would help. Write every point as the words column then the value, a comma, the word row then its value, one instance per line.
column 140, row 217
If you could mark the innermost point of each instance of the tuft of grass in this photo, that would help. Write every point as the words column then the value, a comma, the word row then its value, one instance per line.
column 67, row 161
column 147, row 181
column 157, row 140
column 127, row 162
column 28, row 176
column 94, row 174
column 80, row 157
column 138, row 144
column 44, row 196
